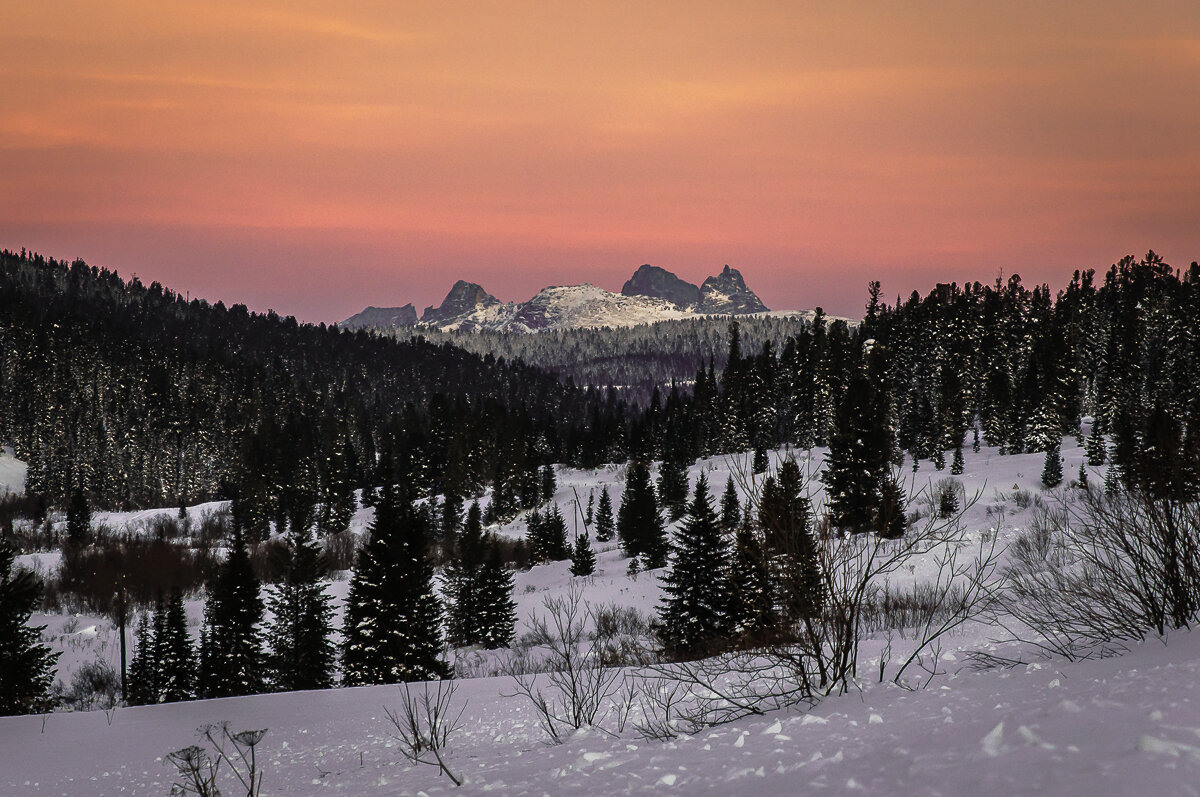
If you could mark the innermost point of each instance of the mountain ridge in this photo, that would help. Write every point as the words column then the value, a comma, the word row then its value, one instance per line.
column 651, row 294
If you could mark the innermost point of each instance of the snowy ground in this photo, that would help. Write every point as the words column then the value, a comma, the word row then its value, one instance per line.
column 1127, row 725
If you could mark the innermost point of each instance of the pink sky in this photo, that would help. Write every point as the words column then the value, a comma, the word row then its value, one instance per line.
column 312, row 159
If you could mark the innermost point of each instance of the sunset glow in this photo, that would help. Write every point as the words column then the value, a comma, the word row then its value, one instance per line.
column 315, row 159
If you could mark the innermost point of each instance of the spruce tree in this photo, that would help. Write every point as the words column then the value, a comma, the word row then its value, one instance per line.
column 752, row 615
column 393, row 617
column 549, row 484
column 589, row 516
column 605, row 523
column 463, row 585
column 1097, row 453
column 583, row 560
column 26, row 665
column 731, row 509
column 177, row 660
column 1052, row 471
column 761, row 460
column 497, row 610
column 639, row 523
column 948, row 502
column 858, row 458
column 673, row 487
column 300, row 654
column 694, row 614
column 79, row 518
column 786, row 518
column 548, row 540
column 234, row 660
column 957, row 467
column 143, row 671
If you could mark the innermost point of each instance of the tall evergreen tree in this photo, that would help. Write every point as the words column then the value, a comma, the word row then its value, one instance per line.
column 786, row 519
column 79, row 517
column 548, row 539
column 731, row 509
column 639, row 522
column 498, row 610
column 752, row 615
column 694, row 615
column 858, row 459
column 26, row 665
column 673, row 487
column 463, row 583
column 606, row 525
column 1052, row 471
column 549, row 483
column 583, row 560
column 233, row 658
column 143, row 671
column 393, row 618
column 177, row 660
column 300, row 653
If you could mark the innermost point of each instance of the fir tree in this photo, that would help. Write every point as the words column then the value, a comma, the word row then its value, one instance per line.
column 26, row 665
column 752, row 615
column 548, row 540
column 176, row 660
column 786, row 517
column 761, row 460
column 892, row 522
column 672, row 487
column 948, row 502
column 1052, row 472
column 498, row 610
column 393, row 619
column 79, row 518
column 694, row 615
column 731, row 510
column 463, row 582
column 549, row 483
column 589, row 516
column 639, row 523
column 1097, row 452
column 583, row 560
column 605, row 523
column 143, row 671
column 300, row 653
column 957, row 467
column 858, row 458
column 1083, row 477
column 234, row 661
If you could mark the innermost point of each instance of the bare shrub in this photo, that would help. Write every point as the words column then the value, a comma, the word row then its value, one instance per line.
column 425, row 723
column 623, row 635
column 269, row 559
column 339, row 550
column 1125, row 566
column 215, row 525
column 94, row 685
column 577, row 683
column 197, row 767
column 90, row 577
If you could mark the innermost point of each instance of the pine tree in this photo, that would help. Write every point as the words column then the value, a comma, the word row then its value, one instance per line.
column 300, row 654
column 1083, row 477
column 731, row 510
column 548, row 540
column 549, row 483
column 752, row 615
column 143, row 671
column 957, row 467
column 463, row 583
column 26, row 665
column 948, row 502
column 393, row 619
column 786, row 517
column 639, row 523
column 858, row 459
column 583, row 560
column 79, row 518
column 673, row 487
column 761, row 460
column 232, row 613
column 892, row 522
column 589, row 516
column 498, row 610
column 1097, row 453
column 177, row 661
column 1052, row 472
column 605, row 523
column 694, row 615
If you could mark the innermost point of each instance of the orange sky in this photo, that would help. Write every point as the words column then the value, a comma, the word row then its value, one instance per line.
column 315, row 159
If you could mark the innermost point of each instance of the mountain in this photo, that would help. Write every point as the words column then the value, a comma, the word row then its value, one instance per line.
column 405, row 316
column 727, row 294
column 652, row 294
column 658, row 283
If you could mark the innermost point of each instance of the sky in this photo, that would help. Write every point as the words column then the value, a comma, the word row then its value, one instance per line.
column 315, row 157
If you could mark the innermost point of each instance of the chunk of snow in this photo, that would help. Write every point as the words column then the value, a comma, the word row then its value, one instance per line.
column 991, row 743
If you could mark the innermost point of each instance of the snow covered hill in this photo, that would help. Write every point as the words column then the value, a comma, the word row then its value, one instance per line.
column 1125, row 725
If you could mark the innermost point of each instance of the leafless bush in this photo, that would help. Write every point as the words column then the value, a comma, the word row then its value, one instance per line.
column 89, row 576
column 425, row 723
column 1125, row 566
column 94, row 685
column 578, row 683
column 339, row 550
column 623, row 636
column 198, row 766
column 269, row 559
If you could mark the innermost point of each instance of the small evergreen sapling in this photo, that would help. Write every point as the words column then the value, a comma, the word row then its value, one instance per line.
column 583, row 560
column 1052, row 472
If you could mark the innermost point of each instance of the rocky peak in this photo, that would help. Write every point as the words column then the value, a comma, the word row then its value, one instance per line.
column 726, row 293
column 385, row 317
column 658, row 283
column 462, row 299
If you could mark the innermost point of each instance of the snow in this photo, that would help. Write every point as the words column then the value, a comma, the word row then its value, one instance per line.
column 12, row 472
column 1122, row 725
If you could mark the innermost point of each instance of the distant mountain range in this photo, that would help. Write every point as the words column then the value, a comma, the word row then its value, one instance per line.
column 651, row 294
